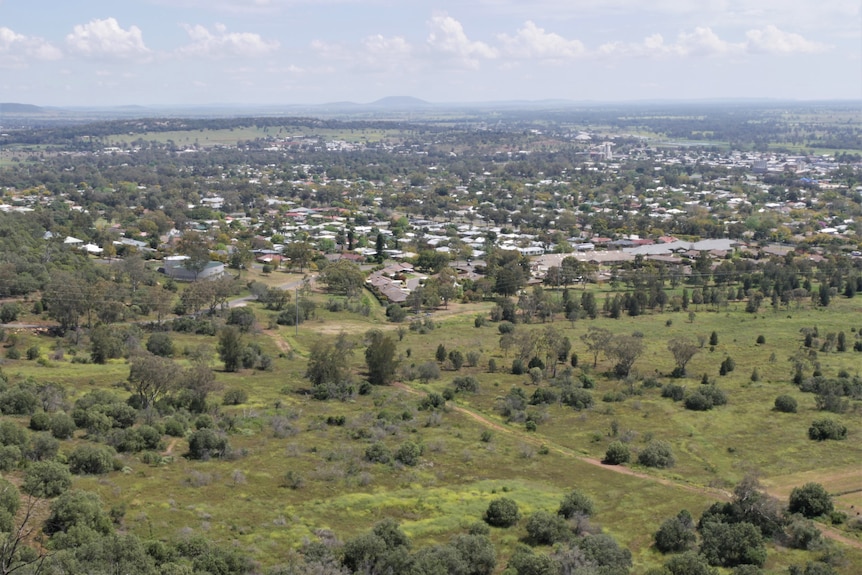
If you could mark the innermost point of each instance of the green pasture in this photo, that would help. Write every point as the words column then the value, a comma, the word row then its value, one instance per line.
column 245, row 499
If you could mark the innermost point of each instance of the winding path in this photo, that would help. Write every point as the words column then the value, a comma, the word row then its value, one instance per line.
column 825, row 530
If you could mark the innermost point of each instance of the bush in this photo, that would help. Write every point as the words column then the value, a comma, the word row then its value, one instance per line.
column 505, row 327
column 467, row 383
column 731, row 544
column 675, row 534
column 673, row 391
column 175, row 427
column 761, row 340
column 161, row 344
column 395, row 313
column 810, row 500
column 576, row 398
column 408, row 453
column 617, row 454
column 657, row 454
column 785, row 404
column 502, row 512
column 10, row 457
column 235, row 397
column 823, row 429
column 575, row 503
column 378, row 453
column 46, row 479
column 89, row 459
column 545, row 528
column 40, row 421
column 43, row 446
column 206, row 443
column 62, row 426
column 518, row 367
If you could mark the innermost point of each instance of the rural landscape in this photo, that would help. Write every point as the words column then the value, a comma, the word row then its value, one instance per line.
column 406, row 338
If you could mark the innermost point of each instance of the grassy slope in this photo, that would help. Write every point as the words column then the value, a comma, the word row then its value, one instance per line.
column 243, row 500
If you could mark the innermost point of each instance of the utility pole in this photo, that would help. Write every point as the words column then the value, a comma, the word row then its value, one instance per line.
column 296, row 323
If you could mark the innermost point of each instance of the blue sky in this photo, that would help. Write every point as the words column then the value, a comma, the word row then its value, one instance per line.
column 192, row 52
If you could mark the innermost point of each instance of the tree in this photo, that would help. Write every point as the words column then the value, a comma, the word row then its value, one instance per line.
column 713, row 338
column 343, row 277
column 689, row 563
column 625, row 349
column 785, row 404
column 196, row 248
column 810, row 500
column 105, row 343
column 230, row 348
column 575, row 503
column 731, row 544
column 658, row 454
column 329, row 361
column 683, row 350
column 46, row 479
column 160, row 343
column 87, row 459
column 152, row 376
column 380, row 358
column 206, row 443
column 597, row 340
column 823, row 429
column 545, row 528
column 676, row 534
column 82, row 509
column 617, row 454
column 298, row 254
column 502, row 512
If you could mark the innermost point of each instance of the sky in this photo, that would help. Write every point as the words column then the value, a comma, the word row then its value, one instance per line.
column 278, row 52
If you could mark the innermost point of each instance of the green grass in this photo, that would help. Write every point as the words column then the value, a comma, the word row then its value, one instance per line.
column 243, row 500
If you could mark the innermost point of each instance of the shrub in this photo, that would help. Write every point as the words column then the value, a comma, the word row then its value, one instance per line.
column 206, row 443
column 235, row 397
column 822, row 429
column 42, row 446
column 575, row 503
column 810, row 500
column 673, row 391
column 502, row 512
column 40, row 421
column 161, row 344
column 378, row 453
column 675, row 534
column 617, row 454
column 62, row 426
column 545, row 528
column 785, row 404
column 467, row 383
column 408, row 453
column 175, row 427
column 518, row 367
column 505, row 327
column 89, row 459
column 761, row 340
column 10, row 456
column 46, row 479
column 657, row 454
column 576, row 398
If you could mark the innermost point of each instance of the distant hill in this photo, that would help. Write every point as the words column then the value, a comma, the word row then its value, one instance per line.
column 13, row 108
column 400, row 102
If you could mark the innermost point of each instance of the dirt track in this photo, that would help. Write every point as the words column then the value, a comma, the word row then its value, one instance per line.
column 721, row 495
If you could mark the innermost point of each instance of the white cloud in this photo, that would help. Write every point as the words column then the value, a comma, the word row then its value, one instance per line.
column 447, row 37
column 375, row 54
column 220, row 43
column 704, row 42
column 105, row 38
column 771, row 40
column 533, row 42
column 17, row 50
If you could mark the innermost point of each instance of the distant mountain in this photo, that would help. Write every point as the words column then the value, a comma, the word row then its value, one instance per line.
column 400, row 102
column 13, row 108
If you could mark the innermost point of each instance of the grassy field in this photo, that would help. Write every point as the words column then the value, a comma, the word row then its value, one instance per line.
column 245, row 500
